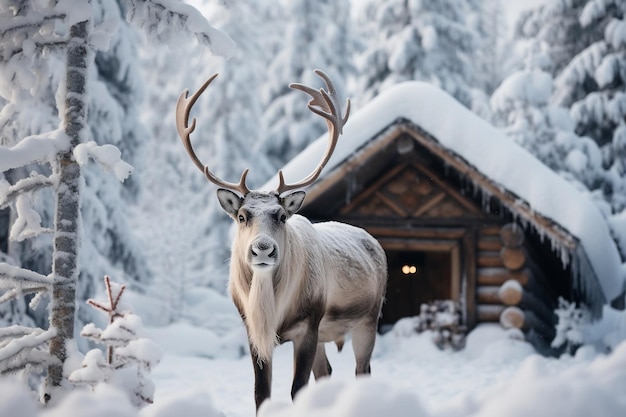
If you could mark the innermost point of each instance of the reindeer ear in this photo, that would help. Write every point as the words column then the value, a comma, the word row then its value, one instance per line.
column 292, row 202
column 229, row 201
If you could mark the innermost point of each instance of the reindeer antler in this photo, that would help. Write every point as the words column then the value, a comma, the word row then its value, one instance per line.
column 326, row 104
column 183, row 107
column 323, row 103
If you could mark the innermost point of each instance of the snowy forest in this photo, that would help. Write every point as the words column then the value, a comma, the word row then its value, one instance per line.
column 95, row 182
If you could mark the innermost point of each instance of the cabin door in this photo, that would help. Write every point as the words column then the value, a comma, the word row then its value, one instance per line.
column 415, row 277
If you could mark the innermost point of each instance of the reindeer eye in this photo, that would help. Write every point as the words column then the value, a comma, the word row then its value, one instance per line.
column 242, row 219
column 283, row 218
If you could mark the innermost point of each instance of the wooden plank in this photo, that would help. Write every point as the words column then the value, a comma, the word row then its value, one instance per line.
column 488, row 313
column 498, row 276
column 421, row 233
column 427, row 245
column 391, row 204
column 469, row 205
column 488, row 294
column 489, row 243
column 489, row 230
column 489, row 260
column 367, row 193
column 429, row 204
column 469, row 275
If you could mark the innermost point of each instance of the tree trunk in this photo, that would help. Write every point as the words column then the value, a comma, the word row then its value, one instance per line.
column 67, row 217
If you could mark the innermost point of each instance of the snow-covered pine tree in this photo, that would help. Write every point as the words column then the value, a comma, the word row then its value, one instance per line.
column 317, row 35
column 521, row 104
column 192, row 242
column 592, row 86
column 34, row 35
column 129, row 357
column 428, row 40
column 556, row 23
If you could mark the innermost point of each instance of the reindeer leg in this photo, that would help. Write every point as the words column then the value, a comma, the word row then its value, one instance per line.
column 321, row 366
column 262, row 379
column 363, row 339
column 304, row 348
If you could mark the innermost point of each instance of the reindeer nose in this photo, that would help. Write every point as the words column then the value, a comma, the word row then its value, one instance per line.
column 263, row 252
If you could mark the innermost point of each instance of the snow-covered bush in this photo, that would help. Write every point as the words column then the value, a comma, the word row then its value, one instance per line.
column 129, row 357
column 572, row 324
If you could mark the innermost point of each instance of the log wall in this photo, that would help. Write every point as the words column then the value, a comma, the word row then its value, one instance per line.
column 510, row 289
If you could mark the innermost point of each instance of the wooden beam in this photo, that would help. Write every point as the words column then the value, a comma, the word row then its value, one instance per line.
column 488, row 313
column 490, row 244
column 512, row 235
column 511, row 201
column 369, row 191
column 498, row 276
column 513, row 258
column 391, row 204
column 464, row 201
column 417, row 233
column 488, row 295
column 489, row 260
column 429, row 204
column 418, row 245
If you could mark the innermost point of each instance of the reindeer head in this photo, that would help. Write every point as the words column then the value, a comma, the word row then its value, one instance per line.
column 262, row 216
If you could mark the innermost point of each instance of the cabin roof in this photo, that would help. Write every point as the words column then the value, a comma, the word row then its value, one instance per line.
column 493, row 161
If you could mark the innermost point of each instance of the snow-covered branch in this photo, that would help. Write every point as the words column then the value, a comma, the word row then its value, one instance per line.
column 12, row 276
column 165, row 20
column 22, row 350
column 35, row 148
column 28, row 222
column 15, row 293
column 109, row 156
column 35, row 21
column 35, row 182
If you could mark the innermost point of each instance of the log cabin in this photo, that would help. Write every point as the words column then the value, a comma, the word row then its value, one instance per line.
column 464, row 214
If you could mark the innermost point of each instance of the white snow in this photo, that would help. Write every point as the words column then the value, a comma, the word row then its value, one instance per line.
column 497, row 374
column 490, row 152
column 109, row 156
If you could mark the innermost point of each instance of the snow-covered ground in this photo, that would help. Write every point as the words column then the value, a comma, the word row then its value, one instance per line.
column 495, row 375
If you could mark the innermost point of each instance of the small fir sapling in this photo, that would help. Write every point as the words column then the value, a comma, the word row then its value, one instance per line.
column 129, row 357
column 572, row 324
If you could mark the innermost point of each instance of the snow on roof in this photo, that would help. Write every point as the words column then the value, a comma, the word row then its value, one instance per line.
column 489, row 151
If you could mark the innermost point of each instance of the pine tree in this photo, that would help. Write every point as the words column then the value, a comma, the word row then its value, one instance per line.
column 593, row 86
column 428, row 41
column 522, row 105
column 317, row 35
column 129, row 356
column 36, row 38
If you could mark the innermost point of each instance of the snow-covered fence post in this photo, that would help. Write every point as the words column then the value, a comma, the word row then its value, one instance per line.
column 67, row 216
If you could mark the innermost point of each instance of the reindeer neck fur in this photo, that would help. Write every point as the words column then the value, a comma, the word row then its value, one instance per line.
column 267, row 298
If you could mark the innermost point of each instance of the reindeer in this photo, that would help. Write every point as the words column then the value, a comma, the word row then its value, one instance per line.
column 292, row 280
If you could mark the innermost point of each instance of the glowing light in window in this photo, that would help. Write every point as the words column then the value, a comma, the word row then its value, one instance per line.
column 409, row 269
